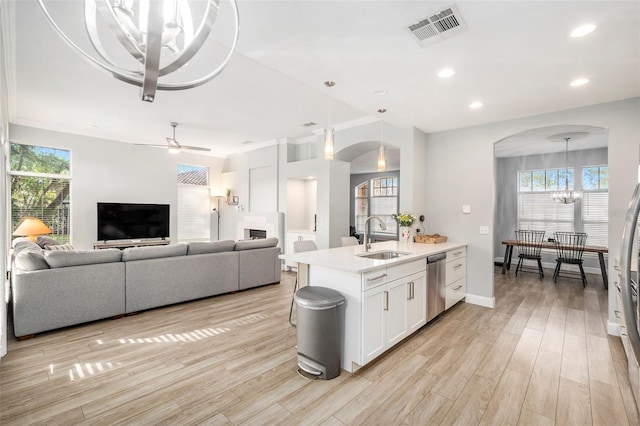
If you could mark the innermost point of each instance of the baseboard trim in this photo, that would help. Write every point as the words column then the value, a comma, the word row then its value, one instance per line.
column 613, row 328
column 487, row 302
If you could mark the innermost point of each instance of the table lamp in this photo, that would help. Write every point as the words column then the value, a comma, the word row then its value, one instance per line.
column 31, row 227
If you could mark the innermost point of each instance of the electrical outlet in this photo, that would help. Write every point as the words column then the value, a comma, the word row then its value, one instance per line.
column 417, row 230
column 484, row 230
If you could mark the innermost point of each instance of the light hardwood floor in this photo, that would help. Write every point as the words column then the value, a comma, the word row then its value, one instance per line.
column 542, row 356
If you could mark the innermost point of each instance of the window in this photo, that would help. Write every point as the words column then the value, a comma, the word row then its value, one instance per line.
column 377, row 197
column 536, row 210
column 595, row 204
column 40, row 187
column 194, row 220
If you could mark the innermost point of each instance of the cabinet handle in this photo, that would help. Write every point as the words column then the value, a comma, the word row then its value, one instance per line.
column 376, row 278
column 299, row 237
column 456, row 253
column 411, row 293
column 386, row 300
column 457, row 288
column 459, row 265
column 413, row 290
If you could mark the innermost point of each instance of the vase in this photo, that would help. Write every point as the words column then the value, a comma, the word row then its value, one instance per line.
column 405, row 234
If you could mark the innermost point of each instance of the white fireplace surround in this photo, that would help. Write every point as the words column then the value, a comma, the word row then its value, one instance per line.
column 271, row 222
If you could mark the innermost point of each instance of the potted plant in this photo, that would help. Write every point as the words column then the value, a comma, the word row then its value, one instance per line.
column 404, row 220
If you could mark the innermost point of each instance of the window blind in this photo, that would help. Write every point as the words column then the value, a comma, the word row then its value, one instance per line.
column 194, row 220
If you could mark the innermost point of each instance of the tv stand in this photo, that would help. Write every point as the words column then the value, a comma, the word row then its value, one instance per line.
column 122, row 244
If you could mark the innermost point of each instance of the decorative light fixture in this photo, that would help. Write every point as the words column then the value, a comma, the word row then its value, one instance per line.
column 159, row 35
column 566, row 196
column 329, row 132
column 31, row 227
column 382, row 160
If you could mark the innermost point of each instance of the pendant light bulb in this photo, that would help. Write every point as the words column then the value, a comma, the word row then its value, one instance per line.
column 328, row 143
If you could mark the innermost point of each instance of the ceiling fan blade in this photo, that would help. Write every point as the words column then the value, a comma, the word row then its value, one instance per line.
column 195, row 148
column 153, row 145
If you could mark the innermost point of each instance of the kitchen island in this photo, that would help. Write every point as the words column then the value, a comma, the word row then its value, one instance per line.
column 386, row 299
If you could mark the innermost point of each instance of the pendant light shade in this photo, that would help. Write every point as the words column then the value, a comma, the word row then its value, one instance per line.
column 329, row 132
column 328, row 143
column 382, row 160
column 566, row 196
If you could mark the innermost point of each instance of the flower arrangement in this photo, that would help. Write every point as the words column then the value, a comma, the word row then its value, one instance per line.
column 404, row 218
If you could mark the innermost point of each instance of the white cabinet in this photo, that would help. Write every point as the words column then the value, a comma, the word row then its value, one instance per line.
column 456, row 277
column 391, row 309
column 292, row 236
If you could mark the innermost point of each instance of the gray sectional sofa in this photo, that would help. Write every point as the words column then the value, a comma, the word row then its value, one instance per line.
column 53, row 289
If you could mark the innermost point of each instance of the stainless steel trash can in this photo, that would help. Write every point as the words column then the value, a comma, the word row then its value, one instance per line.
column 319, row 331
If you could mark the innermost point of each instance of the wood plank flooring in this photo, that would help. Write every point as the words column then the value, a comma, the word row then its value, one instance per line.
column 541, row 357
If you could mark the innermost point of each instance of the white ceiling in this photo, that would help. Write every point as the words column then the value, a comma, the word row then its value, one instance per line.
column 516, row 57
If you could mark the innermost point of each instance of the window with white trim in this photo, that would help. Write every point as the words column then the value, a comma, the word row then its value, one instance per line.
column 595, row 204
column 194, row 220
column 377, row 197
column 40, row 187
column 536, row 209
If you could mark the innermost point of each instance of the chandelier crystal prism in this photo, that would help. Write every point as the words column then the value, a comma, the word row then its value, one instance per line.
column 159, row 35
column 566, row 196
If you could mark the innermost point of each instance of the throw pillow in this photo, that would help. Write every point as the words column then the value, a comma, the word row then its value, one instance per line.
column 60, row 247
column 31, row 259
column 22, row 243
column 46, row 242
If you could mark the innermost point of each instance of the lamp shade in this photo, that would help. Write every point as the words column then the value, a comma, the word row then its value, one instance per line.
column 31, row 227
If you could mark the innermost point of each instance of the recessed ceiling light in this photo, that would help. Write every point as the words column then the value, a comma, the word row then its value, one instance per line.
column 309, row 124
column 446, row 73
column 582, row 30
column 247, row 142
column 579, row 82
column 379, row 92
column 475, row 105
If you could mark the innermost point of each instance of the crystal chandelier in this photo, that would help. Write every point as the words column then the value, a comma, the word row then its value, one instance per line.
column 160, row 35
column 566, row 196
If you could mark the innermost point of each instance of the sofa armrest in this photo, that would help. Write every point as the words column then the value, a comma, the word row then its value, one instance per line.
column 259, row 267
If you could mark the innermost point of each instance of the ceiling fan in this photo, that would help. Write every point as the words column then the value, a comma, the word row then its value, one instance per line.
column 174, row 146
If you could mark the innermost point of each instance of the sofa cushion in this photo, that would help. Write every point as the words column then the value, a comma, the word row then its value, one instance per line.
column 22, row 243
column 64, row 258
column 153, row 252
column 256, row 244
column 60, row 247
column 212, row 247
column 31, row 259
column 46, row 242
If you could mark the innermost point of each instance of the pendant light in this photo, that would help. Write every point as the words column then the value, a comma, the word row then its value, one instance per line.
column 329, row 131
column 382, row 160
column 566, row 196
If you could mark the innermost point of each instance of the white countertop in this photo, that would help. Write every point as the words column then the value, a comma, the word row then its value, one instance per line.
column 346, row 259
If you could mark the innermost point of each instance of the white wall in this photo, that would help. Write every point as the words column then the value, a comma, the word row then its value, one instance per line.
column 461, row 171
column 104, row 170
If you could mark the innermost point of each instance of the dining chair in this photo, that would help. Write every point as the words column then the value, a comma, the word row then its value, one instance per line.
column 529, row 244
column 349, row 241
column 570, row 247
column 299, row 247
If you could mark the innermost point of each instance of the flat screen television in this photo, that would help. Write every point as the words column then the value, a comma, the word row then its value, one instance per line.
column 125, row 221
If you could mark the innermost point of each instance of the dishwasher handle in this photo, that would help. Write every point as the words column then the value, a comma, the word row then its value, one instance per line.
column 436, row 257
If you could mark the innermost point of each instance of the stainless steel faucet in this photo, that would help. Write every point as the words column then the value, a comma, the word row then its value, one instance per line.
column 367, row 244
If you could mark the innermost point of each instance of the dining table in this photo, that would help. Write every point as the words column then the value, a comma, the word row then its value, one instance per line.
column 601, row 251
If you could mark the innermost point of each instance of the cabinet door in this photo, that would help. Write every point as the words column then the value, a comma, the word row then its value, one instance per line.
column 373, row 313
column 396, row 313
column 417, row 303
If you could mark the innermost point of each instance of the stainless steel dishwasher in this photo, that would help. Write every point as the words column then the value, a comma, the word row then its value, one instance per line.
column 436, row 285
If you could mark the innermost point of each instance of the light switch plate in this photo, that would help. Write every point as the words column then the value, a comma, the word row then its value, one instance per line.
column 484, row 230
column 466, row 209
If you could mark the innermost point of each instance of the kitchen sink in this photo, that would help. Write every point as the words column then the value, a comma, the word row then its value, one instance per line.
column 382, row 255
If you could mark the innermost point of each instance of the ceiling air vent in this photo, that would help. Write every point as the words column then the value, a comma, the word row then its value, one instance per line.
column 438, row 26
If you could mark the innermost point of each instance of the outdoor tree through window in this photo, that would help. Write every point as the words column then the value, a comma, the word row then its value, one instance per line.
column 40, row 187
